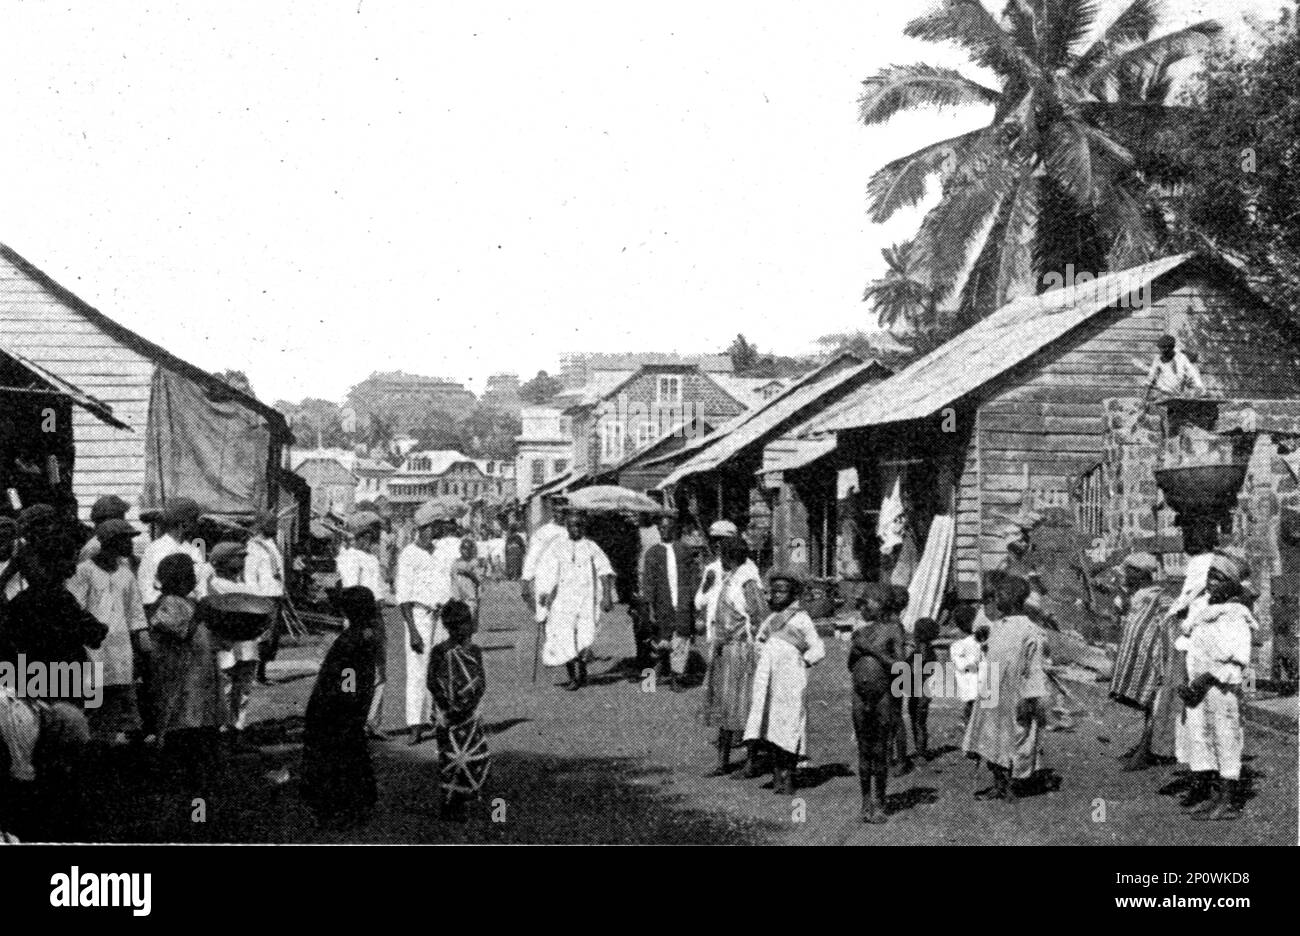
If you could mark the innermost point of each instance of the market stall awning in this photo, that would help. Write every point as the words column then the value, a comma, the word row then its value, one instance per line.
column 54, row 383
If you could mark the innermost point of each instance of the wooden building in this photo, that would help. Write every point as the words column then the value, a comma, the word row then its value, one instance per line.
column 720, row 476
column 223, row 447
column 1012, row 413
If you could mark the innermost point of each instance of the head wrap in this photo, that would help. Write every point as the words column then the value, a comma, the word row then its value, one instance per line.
column 721, row 529
column 1231, row 564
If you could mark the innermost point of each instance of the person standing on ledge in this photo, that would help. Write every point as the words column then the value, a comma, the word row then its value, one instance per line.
column 1172, row 372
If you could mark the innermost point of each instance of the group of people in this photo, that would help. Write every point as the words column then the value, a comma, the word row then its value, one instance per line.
column 1184, row 668
column 148, row 671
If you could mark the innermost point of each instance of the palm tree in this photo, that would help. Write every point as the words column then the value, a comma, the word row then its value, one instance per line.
column 1058, row 176
column 902, row 298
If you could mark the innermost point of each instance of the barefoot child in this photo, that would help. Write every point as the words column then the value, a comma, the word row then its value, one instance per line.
column 924, row 633
column 875, row 650
column 1006, row 723
column 778, row 713
column 966, row 655
column 457, row 682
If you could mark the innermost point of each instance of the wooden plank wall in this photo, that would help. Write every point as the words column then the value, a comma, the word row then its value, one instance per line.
column 39, row 326
column 1047, row 413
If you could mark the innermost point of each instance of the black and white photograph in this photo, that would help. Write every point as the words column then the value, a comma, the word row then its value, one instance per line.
column 587, row 423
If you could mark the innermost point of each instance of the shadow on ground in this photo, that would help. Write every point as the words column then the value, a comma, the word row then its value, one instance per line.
column 529, row 798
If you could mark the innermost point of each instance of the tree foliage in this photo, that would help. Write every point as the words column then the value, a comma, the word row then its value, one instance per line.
column 1057, row 176
column 540, row 390
column 1236, row 162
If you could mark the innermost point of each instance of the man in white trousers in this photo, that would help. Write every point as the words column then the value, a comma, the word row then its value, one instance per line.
column 421, row 592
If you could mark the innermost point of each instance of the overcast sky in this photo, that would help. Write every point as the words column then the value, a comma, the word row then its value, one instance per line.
column 313, row 191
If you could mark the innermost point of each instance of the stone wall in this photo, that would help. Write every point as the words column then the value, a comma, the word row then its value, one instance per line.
column 1137, row 518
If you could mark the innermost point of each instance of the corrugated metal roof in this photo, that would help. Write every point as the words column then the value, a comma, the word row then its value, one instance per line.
column 986, row 350
column 797, row 453
column 726, row 443
column 740, row 419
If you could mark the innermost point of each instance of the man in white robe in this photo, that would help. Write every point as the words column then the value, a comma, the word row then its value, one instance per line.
column 574, row 586
column 420, row 595
column 543, row 538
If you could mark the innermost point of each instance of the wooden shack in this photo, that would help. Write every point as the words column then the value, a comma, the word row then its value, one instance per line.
column 1011, row 414
column 210, row 440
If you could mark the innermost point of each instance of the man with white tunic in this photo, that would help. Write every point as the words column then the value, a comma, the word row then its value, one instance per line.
column 357, row 564
column 574, row 586
column 264, row 575
column 358, row 567
column 179, row 523
column 419, row 597
column 543, row 538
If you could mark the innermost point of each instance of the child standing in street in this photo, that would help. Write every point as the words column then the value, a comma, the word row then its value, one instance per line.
column 457, row 682
column 184, row 671
column 924, row 634
column 876, row 648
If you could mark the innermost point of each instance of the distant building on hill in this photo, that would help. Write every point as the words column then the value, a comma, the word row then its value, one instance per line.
column 581, row 368
column 403, row 400
column 502, row 393
column 425, row 474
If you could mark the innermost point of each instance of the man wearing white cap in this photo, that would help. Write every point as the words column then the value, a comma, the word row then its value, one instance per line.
column 706, row 597
column 179, row 523
column 419, row 595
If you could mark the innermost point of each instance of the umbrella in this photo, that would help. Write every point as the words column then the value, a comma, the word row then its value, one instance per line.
column 610, row 498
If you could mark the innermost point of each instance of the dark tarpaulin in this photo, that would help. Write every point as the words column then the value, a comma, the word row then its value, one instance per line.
column 214, row 450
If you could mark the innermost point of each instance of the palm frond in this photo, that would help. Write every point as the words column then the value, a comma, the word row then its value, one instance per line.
column 1171, row 46
column 1134, row 24
column 901, row 87
column 956, row 229
column 1016, row 273
column 969, row 24
column 1069, row 160
column 1126, row 225
column 1066, row 24
column 902, row 182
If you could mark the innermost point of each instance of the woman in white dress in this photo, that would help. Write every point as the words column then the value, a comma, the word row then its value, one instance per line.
column 788, row 644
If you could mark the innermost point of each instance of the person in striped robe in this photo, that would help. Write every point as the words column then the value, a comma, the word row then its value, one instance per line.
column 1143, row 651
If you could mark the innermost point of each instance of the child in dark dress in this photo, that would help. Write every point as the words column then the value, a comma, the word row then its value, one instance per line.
column 924, row 634
column 338, row 781
column 457, row 683
column 876, row 647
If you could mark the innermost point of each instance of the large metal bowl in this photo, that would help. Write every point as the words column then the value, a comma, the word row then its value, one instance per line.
column 237, row 617
column 1201, row 487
